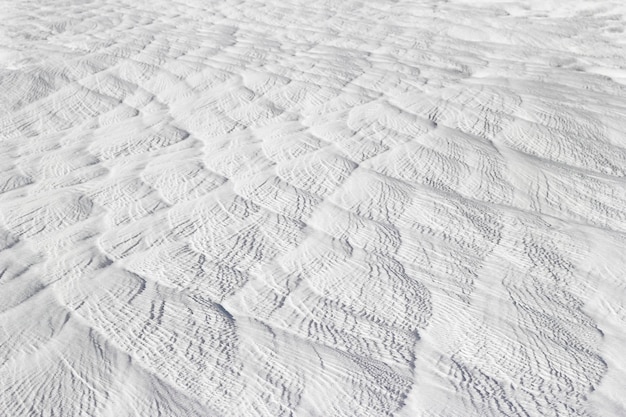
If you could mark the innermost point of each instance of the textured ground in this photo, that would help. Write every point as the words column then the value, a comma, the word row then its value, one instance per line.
column 334, row 208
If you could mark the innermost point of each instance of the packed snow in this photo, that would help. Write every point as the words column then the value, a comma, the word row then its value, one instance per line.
column 299, row 208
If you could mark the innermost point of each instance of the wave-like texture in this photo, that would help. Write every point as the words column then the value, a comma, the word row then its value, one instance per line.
column 297, row 208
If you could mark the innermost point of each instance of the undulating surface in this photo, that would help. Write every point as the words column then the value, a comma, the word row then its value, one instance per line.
column 300, row 208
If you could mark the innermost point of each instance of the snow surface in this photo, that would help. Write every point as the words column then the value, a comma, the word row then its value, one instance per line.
column 333, row 208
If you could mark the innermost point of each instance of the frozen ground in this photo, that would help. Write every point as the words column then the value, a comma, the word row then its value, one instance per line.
column 333, row 208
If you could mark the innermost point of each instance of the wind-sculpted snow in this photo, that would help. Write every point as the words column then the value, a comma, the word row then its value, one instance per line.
column 342, row 208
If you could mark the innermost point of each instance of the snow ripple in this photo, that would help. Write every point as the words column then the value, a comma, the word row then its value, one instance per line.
column 297, row 209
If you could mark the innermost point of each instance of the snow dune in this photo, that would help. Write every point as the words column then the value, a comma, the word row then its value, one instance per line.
column 291, row 208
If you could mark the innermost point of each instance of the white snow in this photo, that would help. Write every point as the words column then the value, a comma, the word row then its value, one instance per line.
column 296, row 208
